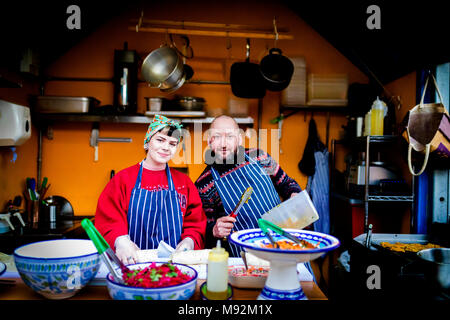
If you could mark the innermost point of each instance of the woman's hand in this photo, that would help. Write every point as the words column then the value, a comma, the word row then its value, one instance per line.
column 185, row 244
column 126, row 249
column 223, row 226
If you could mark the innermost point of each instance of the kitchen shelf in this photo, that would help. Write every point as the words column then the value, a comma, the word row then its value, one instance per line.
column 365, row 143
column 45, row 118
column 361, row 141
column 313, row 108
column 9, row 82
column 405, row 198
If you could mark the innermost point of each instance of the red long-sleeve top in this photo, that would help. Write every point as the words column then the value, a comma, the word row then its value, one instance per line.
column 113, row 203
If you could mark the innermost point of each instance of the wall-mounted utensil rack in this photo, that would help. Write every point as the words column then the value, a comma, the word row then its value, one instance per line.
column 208, row 29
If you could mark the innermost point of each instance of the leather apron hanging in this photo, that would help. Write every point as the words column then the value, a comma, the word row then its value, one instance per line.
column 232, row 186
column 154, row 215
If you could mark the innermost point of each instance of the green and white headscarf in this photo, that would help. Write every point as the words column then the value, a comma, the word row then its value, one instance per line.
column 159, row 122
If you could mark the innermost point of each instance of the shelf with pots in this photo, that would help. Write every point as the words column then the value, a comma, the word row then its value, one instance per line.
column 182, row 116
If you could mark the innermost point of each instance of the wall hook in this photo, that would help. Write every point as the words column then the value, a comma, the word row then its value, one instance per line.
column 140, row 21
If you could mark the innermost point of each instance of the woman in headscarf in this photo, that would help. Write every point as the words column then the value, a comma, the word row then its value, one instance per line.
column 150, row 202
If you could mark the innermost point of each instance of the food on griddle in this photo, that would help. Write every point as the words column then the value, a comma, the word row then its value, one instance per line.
column 288, row 245
column 408, row 247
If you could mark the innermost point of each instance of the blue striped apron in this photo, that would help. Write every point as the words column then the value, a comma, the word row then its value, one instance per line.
column 154, row 215
column 233, row 185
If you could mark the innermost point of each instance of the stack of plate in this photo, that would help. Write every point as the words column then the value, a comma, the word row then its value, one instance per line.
column 295, row 93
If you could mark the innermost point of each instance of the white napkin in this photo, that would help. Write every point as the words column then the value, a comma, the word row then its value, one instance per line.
column 164, row 250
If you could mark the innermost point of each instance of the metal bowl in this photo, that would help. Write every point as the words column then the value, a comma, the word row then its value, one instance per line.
column 437, row 261
column 190, row 103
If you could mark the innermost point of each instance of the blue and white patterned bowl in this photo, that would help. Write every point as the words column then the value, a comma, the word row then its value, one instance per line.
column 282, row 282
column 254, row 239
column 182, row 291
column 57, row 269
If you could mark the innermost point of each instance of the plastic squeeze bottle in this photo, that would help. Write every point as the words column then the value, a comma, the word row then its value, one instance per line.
column 378, row 112
column 217, row 275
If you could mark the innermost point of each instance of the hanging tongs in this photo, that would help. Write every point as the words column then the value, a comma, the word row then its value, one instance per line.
column 104, row 250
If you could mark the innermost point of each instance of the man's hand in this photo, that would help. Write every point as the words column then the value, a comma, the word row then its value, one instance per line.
column 293, row 194
column 223, row 226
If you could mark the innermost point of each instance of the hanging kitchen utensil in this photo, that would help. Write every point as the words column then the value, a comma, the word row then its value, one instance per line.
column 428, row 130
column 186, row 52
column 246, row 79
column 276, row 69
column 163, row 68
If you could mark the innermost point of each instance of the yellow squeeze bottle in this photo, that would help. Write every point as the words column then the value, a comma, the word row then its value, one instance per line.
column 378, row 112
column 217, row 276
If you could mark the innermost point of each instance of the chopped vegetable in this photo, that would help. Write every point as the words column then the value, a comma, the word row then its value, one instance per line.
column 253, row 271
column 284, row 244
column 155, row 276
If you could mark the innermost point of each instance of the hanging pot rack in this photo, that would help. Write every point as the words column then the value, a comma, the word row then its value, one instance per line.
column 208, row 29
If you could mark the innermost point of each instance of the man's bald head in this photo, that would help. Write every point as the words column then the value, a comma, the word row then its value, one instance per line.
column 224, row 121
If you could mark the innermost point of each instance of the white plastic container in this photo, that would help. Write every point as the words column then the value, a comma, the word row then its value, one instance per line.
column 295, row 213
column 15, row 124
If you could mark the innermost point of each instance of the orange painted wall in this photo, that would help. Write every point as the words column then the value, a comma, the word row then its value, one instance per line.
column 68, row 158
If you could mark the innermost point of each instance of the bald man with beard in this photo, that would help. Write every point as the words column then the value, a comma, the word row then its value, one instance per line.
column 230, row 170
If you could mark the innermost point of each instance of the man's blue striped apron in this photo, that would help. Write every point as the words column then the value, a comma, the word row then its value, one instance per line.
column 233, row 185
column 154, row 215
column 264, row 197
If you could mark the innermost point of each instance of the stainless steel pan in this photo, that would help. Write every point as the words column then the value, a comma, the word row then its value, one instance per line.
column 163, row 68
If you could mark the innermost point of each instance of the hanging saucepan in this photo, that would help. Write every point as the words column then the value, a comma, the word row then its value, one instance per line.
column 276, row 70
column 246, row 79
column 163, row 69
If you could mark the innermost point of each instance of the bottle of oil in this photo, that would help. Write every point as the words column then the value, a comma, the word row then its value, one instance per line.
column 217, row 276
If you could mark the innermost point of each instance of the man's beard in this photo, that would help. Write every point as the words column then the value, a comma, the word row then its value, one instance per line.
column 234, row 157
